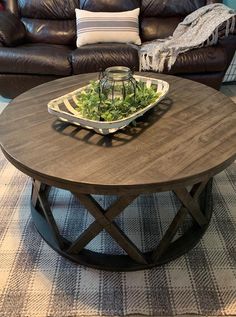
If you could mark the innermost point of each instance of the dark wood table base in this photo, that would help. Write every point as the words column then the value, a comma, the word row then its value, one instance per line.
column 197, row 202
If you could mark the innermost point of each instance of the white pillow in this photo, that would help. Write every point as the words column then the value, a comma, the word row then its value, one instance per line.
column 95, row 27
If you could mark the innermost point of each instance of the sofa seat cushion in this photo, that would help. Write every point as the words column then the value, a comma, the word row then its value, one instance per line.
column 97, row 57
column 201, row 60
column 45, row 59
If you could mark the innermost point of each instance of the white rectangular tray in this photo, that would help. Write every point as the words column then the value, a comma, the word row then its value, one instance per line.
column 64, row 108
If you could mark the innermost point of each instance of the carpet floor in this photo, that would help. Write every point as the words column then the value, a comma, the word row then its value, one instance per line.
column 37, row 282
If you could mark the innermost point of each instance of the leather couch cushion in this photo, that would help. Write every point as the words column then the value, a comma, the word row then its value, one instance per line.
column 157, row 27
column 201, row 60
column 42, row 59
column 12, row 30
column 109, row 5
column 50, row 31
column 48, row 9
column 150, row 8
column 97, row 57
column 214, row 1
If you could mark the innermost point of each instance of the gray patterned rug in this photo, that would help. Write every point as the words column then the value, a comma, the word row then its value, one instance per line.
column 36, row 282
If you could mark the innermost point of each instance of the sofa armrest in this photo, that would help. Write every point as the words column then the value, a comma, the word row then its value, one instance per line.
column 12, row 30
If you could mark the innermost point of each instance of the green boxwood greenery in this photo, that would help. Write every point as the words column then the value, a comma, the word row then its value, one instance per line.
column 89, row 106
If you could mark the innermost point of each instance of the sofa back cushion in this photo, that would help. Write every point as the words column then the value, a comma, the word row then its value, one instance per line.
column 158, row 27
column 48, row 21
column 109, row 5
column 170, row 8
column 48, row 9
column 61, row 32
column 159, row 18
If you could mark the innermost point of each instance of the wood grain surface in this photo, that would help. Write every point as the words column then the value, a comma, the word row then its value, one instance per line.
column 188, row 137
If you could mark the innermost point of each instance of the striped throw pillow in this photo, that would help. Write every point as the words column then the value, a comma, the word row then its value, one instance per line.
column 119, row 27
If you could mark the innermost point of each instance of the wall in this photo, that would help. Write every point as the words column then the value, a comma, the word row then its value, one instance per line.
column 230, row 3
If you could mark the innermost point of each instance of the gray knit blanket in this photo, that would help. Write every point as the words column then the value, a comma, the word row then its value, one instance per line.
column 200, row 28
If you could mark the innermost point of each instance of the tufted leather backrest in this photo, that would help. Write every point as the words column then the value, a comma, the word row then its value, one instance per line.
column 50, row 31
column 48, row 9
column 47, row 21
column 109, row 5
column 150, row 8
column 159, row 18
column 53, row 21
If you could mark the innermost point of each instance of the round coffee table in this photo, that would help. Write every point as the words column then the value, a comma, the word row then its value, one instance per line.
column 178, row 146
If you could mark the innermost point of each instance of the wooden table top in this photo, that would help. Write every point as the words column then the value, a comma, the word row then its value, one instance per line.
column 189, row 136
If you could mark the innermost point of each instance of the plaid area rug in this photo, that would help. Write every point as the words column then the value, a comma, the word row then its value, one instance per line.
column 37, row 282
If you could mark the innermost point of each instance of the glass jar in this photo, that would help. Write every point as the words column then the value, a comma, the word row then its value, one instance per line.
column 117, row 82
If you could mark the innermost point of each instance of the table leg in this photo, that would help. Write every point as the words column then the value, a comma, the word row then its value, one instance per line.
column 196, row 202
column 191, row 205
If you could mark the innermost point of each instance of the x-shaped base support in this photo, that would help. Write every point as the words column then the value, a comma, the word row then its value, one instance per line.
column 104, row 220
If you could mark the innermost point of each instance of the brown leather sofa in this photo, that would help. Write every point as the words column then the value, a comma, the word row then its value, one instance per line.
column 37, row 42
